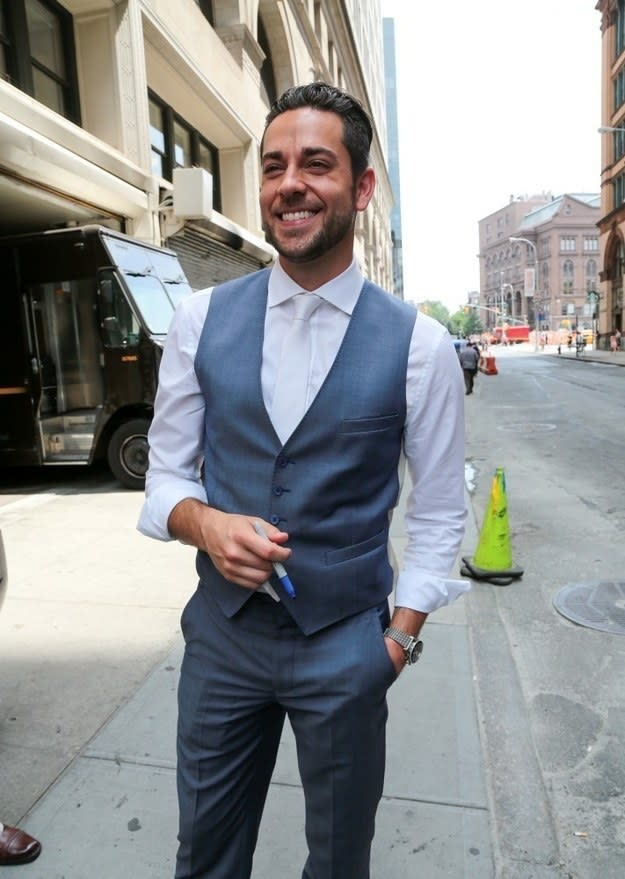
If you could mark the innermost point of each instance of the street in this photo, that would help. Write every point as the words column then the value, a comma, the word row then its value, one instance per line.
column 551, row 692
column 93, row 607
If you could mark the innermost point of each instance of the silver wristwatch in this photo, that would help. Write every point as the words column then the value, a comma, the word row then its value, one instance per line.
column 412, row 647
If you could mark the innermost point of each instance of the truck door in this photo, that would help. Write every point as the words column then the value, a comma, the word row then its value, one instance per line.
column 19, row 382
column 121, row 335
column 66, row 346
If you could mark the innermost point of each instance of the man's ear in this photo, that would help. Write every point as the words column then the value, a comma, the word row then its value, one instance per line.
column 365, row 188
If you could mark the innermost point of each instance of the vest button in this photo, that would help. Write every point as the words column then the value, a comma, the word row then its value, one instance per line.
column 274, row 519
column 277, row 490
column 282, row 462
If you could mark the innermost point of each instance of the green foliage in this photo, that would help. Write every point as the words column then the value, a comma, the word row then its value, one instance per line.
column 436, row 310
column 465, row 323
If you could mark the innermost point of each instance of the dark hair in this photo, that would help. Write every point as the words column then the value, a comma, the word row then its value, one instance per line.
column 357, row 129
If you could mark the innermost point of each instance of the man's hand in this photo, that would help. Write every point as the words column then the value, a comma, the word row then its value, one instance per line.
column 409, row 621
column 237, row 551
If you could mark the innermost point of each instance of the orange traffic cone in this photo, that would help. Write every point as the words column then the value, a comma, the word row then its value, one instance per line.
column 493, row 557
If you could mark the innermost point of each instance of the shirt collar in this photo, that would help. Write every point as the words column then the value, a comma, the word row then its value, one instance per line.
column 342, row 291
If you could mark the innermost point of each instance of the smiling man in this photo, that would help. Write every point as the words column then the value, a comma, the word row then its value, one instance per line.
column 298, row 389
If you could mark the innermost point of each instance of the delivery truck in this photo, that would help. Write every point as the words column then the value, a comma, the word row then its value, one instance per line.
column 84, row 313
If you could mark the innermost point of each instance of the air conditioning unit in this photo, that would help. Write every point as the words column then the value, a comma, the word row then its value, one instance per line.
column 193, row 193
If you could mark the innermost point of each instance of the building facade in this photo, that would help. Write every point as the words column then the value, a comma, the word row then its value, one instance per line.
column 612, row 222
column 146, row 116
column 561, row 234
column 390, row 74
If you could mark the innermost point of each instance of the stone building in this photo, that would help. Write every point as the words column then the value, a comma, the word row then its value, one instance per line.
column 612, row 222
column 561, row 233
column 146, row 116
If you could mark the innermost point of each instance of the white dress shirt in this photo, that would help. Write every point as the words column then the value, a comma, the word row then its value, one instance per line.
column 433, row 436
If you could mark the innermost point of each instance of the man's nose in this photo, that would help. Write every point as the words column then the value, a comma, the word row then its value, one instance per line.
column 292, row 181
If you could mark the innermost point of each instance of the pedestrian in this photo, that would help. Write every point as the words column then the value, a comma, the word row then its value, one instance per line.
column 300, row 438
column 17, row 846
column 469, row 359
column 614, row 343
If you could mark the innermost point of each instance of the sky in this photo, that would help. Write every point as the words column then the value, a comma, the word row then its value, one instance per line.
column 495, row 98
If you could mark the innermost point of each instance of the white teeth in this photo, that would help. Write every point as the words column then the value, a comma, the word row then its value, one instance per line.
column 297, row 215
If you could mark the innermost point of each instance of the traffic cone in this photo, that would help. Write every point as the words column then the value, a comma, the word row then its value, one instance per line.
column 493, row 557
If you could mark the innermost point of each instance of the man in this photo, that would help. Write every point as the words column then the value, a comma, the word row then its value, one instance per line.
column 469, row 359
column 317, row 473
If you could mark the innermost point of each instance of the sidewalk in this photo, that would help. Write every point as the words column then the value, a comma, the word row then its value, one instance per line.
column 113, row 812
column 590, row 355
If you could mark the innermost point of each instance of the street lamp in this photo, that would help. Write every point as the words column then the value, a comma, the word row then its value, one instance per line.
column 533, row 246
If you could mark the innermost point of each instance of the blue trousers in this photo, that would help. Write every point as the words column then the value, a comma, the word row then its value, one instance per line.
column 240, row 677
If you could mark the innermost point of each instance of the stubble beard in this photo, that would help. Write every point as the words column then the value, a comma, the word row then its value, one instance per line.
column 316, row 245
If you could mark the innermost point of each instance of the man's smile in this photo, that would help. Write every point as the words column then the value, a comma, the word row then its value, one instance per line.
column 291, row 216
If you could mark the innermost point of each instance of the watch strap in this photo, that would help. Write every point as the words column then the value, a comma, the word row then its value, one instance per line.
column 412, row 646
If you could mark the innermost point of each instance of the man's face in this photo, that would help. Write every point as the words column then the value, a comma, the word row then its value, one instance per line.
column 308, row 196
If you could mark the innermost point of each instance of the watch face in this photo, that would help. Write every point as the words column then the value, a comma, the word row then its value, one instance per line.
column 415, row 652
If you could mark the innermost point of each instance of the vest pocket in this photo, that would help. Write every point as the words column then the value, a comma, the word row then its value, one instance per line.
column 355, row 550
column 369, row 425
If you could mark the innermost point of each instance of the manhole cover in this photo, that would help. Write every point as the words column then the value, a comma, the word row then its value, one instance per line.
column 596, row 605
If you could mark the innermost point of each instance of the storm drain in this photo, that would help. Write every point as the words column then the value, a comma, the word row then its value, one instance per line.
column 596, row 605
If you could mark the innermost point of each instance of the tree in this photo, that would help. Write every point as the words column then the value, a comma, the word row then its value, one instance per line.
column 436, row 310
column 465, row 322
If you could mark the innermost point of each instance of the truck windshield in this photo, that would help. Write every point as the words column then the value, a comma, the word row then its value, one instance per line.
column 155, row 280
column 155, row 306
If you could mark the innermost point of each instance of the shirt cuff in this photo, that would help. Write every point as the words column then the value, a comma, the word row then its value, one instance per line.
column 158, row 505
column 425, row 592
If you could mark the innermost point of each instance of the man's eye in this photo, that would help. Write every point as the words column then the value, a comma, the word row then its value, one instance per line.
column 268, row 170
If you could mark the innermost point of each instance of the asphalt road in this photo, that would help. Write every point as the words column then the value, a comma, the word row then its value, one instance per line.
column 551, row 692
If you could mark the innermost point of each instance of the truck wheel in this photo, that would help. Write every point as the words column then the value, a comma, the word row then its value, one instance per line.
column 128, row 453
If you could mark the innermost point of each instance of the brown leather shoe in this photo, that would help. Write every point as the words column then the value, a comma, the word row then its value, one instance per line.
column 17, row 847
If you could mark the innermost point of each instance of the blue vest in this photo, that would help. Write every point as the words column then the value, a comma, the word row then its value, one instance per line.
column 334, row 482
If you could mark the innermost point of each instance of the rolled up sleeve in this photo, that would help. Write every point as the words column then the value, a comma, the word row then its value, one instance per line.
column 434, row 450
column 175, row 436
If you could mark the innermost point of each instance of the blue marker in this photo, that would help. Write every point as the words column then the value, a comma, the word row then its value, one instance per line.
column 281, row 573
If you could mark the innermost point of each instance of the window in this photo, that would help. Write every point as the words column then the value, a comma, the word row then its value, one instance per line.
column 619, row 89
column 591, row 275
column 620, row 27
column 618, row 190
column 568, row 271
column 4, row 45
column 182, row 145
column 176, row 144
column 157, row 139
column 567, row 245
column 207, row 10
column 591, row 245
column 37, row 53
column 267, row 78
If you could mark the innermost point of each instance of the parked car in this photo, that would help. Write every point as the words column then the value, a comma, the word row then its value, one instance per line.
column 4, row 574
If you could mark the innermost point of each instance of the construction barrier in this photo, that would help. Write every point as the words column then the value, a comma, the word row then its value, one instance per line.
column 493, row 557
column 487, row 365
